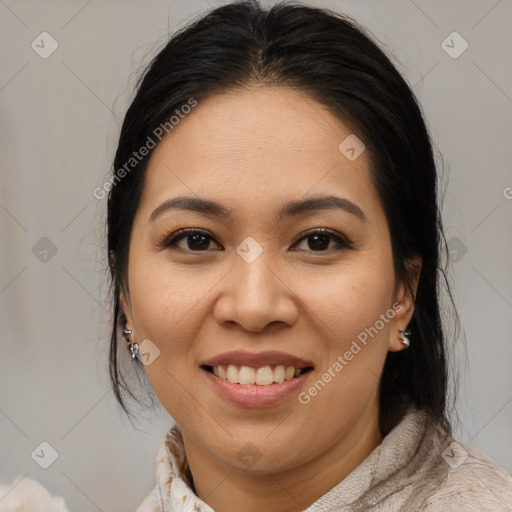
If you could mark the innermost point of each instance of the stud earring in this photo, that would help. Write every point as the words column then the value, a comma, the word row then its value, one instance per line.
column 404, row 339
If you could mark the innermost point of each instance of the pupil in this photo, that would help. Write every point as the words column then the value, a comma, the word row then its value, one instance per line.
column 318, row 243
column 197, row 241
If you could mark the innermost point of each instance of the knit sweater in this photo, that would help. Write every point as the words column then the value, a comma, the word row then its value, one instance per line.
column 415, row 468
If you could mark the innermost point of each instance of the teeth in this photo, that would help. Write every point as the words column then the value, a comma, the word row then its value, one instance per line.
column 221, row 372
column 232, row 374
column 279, row 373
column 263, row 376
column 247, row 375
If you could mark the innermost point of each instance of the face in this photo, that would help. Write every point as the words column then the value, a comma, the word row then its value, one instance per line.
column 313, row 288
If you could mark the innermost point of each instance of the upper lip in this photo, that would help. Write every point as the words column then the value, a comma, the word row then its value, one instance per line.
column 257, row 360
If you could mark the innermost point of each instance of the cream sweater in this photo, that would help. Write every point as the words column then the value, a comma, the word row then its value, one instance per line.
column 415, row 468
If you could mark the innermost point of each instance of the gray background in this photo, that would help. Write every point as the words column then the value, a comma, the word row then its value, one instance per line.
column 60, row 118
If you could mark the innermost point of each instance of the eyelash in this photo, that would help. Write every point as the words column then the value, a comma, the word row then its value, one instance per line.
column 170, row 241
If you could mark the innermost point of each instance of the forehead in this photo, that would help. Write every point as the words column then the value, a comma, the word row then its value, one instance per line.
column 256, row 143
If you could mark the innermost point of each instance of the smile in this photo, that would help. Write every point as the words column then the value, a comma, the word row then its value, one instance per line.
column 253, row 395
column 263, row 376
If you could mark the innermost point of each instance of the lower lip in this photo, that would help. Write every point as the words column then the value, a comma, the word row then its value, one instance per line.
column 252, row 395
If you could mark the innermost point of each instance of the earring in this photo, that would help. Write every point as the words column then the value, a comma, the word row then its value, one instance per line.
column 134, row 347
column 404, row 339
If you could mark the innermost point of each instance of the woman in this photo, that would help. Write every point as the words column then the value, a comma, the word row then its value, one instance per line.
column 274, row 237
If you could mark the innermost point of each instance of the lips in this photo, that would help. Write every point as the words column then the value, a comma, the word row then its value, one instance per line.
column 256, row 379
column 257, row 360
column 256, row 396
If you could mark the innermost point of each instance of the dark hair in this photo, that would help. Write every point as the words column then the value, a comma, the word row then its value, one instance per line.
column 332, row 59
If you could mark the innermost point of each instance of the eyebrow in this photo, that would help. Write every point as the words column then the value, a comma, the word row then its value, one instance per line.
column 288, row 210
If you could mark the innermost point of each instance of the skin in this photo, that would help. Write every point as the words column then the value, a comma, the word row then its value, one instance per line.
column 253, row 150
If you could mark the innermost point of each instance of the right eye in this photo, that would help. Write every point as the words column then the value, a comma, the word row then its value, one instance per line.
column 196, row 240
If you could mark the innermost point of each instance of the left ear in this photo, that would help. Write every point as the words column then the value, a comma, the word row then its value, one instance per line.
column 403, row 303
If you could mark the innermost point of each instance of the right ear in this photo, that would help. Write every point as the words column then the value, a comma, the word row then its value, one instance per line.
column 123, row 303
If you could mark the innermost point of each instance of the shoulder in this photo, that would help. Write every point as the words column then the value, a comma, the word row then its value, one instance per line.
column 26, row 495
column 472, row 481
column 151, row 503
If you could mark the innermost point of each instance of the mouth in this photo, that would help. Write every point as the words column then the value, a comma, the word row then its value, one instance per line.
column 256, row 379
column 267, row 375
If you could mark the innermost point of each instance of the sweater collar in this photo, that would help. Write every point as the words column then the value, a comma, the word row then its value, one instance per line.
column 387, row 462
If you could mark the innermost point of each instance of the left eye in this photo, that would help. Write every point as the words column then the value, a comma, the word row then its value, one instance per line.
column 199, row 241
column 319, row 240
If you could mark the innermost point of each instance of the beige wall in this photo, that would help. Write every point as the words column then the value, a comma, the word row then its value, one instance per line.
column 57, row 140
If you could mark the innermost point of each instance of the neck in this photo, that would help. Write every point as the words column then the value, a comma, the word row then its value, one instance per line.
column 227, row 489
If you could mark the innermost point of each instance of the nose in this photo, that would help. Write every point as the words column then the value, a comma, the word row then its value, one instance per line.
column 255, row 295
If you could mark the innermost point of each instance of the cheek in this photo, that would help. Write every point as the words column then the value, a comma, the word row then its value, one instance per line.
column 166, row 299
column 348, row 299
column 346, row 310
column 163, row 301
